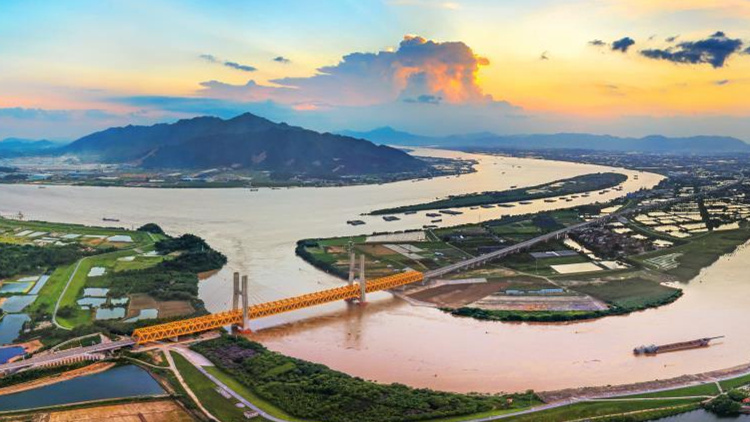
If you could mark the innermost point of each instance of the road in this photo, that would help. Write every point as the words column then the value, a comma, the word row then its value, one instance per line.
column 65, row 289
column 482, row 259
column 64, row 354
column 231, row 392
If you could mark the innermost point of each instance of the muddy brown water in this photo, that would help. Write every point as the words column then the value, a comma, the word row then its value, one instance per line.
column 389, row 340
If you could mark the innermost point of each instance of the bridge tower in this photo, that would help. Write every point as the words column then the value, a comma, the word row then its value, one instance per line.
column 239, row 298
column 352, row 274
column 362, row 282
column 352, row 264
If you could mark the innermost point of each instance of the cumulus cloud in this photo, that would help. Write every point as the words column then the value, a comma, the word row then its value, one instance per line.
column 234, row 65
column 418, row 67
column 622, row 44
column 281, row 59
column 714, row 50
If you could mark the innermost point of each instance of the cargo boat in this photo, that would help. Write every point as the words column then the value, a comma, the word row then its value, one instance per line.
column 674, row 347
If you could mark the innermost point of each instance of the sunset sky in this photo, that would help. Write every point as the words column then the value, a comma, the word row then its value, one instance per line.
column 628, row 68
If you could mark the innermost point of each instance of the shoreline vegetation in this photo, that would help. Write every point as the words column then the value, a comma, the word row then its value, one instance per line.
column 312, row 391
column 571, row 186
column 233, row 178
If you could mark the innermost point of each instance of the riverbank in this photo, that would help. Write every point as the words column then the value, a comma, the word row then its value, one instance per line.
column 56, row 378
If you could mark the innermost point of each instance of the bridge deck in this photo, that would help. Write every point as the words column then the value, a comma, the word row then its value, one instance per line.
column 64, row 354
column 223, row 319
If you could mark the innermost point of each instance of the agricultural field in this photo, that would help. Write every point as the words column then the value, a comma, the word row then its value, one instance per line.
column 615, row 268
column 65, row 277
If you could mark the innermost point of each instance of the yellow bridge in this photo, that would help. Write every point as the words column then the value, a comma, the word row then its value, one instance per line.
column 223, row 319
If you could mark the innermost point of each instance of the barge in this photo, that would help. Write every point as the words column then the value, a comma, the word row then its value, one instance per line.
column 674, row 347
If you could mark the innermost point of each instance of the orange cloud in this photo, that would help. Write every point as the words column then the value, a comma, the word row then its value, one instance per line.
column 418, row 69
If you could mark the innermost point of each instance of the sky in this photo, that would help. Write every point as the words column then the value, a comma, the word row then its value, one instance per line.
column 628, row 68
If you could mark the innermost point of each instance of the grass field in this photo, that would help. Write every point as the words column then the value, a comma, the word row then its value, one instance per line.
column 581, row 411
column 735, row 382
column 708, row 389
column 701, row 251
column 632, row 293
column 205, row 390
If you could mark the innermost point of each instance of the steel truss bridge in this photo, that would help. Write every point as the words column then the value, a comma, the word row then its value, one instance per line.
column 353, row 289
column 234, row 317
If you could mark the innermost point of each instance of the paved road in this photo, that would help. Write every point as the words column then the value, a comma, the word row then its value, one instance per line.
column 231, row 392
column 64, row 354
column 59, row 299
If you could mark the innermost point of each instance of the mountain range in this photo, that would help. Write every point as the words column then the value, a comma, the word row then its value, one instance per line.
column 16, row 146
column 648, row 144
column 246, row 141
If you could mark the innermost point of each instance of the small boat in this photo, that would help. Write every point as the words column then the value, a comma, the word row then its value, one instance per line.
column 488, row 206
column 429, row 226
column 355, row 222
column 514, row 186
column 525, row 202
column 432, row 214
column 390, row 218
column 438, row 220
column 410, row 212
column 114, row 220
column 550, row 200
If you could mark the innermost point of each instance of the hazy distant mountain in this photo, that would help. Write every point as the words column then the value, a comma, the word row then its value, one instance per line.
column 246, row 141
column 390, row 136
column 651, row 144
column 19, row 145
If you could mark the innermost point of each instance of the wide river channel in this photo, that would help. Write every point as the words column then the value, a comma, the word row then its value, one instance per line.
column 389, row 340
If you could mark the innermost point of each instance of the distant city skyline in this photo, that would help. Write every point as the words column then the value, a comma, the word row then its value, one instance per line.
column 628, row 68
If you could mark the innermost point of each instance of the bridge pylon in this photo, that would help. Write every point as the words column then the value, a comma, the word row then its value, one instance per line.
column 239, row 298
column 359, row 278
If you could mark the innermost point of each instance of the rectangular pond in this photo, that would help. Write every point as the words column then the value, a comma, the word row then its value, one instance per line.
column 110, row 313
column 10, row 327
column 18, row 287
column 14, row 304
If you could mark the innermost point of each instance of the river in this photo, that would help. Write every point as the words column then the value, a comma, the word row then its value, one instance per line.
column 389, row 340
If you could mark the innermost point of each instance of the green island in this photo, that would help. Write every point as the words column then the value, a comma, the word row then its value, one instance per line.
column 571, row 186
column 629, row 264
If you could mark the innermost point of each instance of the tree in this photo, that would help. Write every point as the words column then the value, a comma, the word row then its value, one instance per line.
column 151, row 228
column 723, row 406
